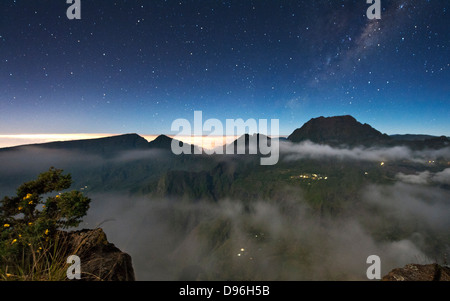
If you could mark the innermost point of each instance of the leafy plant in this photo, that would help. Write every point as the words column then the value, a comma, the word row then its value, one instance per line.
column 29, row 222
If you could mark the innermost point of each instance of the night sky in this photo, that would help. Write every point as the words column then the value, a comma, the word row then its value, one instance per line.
column 134, row 66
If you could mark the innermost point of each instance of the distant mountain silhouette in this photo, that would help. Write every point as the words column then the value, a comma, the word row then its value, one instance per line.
column 161, row 142
column 247, row 143
column 106, row 146
column 333, row 131
column 164, row 142
column 410, row 137
column 101, row 146
column 434, row 143
column 339, row 130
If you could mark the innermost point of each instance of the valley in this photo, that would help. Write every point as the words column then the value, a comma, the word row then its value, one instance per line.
column 316, row 215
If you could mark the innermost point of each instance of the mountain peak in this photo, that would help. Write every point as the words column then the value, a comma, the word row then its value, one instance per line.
column 162, row 141
column 132, row 139
column 346, row 118
column 248, row 144
column 338, row 130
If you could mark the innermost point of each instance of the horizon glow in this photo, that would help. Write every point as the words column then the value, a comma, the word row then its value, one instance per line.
column 205, row 141
column 136, row 66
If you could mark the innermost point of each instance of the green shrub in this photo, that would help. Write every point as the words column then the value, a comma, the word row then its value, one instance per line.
column 29, row 221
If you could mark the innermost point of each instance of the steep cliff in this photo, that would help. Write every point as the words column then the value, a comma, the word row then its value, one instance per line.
column 100, row 259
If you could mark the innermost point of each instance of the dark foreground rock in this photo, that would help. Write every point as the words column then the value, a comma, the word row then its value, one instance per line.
column 100, row 260
column 417, row 272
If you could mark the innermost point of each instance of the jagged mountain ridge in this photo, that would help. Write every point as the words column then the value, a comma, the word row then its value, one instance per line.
column 333, row 131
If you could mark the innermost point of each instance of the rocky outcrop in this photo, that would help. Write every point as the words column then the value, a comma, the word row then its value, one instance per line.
column 417, row 272
column 100, row 260
column 337, row 131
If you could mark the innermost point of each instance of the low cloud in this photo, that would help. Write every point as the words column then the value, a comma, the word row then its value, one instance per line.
column 33, row 158
column 262, row 240
column 426, row 177
column 442, row 177
column 277, row 239
column 421, row 178
column 310, row 150
column 129, row 156
column 24, row 164
column 428, row 206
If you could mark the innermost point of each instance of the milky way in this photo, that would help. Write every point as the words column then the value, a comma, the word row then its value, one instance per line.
column 135, row 66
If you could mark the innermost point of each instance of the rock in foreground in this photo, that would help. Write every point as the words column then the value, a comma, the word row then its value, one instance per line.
column 417, row 272
column 100, row 260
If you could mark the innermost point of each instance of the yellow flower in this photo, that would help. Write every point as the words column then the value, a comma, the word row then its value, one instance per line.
column 20, row 235
column 6, row 225
column 30, row 224
column 20, row 208
column 57, row 196
column 14, row 241
column 9, row 275
column 46, row 232
column 30, row 202
column 29, row 195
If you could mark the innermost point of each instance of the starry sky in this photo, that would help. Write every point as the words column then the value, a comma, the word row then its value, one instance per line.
column 134, row 66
